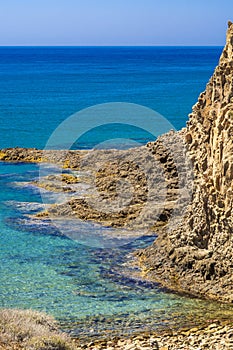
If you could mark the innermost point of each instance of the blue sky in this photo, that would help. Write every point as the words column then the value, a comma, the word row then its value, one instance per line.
column 114, row 22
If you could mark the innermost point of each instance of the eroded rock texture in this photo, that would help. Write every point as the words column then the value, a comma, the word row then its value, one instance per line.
column 197, row 257
column 182, row 188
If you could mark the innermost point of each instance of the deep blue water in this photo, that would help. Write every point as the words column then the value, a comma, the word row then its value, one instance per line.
column 88, row 289
column 40, row 87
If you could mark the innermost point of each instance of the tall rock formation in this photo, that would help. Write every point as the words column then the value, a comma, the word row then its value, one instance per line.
column 197, row 257
column 194, row 249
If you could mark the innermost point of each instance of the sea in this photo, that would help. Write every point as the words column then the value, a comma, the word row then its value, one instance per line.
column 90, row 290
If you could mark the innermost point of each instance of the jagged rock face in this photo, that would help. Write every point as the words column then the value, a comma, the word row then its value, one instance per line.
column 210, row 137
column 194, row 250
column 198, row 256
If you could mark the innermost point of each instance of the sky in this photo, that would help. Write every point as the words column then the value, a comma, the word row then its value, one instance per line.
column 114, row 22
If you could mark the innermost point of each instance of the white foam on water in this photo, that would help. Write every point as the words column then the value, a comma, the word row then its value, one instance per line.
column 94, row 234
column 25, row 207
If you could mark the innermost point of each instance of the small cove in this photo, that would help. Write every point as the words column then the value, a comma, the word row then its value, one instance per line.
column 90, row 291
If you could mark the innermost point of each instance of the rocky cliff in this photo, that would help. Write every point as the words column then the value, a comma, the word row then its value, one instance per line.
column 194, row 249
column 197, row 256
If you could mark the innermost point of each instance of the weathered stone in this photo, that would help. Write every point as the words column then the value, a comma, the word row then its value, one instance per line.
column 202, row 246
column 196, row 254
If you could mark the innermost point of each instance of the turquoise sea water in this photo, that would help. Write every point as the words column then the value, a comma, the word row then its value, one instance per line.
column 89, row 290
column 40, row 87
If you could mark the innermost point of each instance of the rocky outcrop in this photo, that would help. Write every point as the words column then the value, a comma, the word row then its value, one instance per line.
column 197, row 256
column 65, row 158
column 124, row 188
column 191, row 208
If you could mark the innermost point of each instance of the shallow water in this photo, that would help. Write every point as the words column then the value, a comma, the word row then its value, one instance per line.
column 90, row 290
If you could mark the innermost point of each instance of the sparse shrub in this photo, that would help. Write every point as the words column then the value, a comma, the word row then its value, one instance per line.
column 31, row 330
column 55, row 342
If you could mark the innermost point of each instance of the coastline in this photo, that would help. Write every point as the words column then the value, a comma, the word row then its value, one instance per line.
column 31, row 330
column 195, row 256
column 218, row 333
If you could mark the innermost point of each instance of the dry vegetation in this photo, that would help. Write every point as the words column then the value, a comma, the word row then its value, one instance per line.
column 31, row 330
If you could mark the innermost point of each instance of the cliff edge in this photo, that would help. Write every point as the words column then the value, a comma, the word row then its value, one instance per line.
column 197, row 256
column 194, row 249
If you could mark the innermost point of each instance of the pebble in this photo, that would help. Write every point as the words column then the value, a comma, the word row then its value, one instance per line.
column 213, row 337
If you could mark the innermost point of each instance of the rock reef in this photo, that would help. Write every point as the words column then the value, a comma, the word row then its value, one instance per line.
column 65, row 158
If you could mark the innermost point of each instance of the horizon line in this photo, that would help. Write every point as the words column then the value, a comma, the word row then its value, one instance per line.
column 4, row 46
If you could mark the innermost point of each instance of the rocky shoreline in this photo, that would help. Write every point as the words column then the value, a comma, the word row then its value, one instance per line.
column 216, row 336
column 181, row 188
column 32, row 330
column 190, row 206
column 197, row 256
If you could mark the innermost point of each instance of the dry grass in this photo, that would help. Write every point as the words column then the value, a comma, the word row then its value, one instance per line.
column 31, row 330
